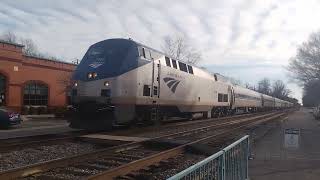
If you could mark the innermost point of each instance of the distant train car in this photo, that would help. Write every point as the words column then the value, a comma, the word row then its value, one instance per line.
column 247, row 100
column 120, row 81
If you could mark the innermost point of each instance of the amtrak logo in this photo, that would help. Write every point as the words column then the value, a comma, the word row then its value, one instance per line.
column 171, row 83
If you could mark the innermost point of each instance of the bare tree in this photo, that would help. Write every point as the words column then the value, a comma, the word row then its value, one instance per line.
column 311, row 93
column 280, row 90
column 235, row 81
column 30, row 48
column 264, row 86
column 9, row 37
column 305, row 66
column 65, row 81
column 180, row 48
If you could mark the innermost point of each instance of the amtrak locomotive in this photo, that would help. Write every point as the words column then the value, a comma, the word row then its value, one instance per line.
column 120, row 81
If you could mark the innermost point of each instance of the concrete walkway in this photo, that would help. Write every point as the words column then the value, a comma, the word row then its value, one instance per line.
column 290, row 151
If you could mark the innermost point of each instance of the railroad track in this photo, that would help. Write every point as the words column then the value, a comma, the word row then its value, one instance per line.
column 123, row 159
column 49, row 139
column 23, row 142
column 173, row 127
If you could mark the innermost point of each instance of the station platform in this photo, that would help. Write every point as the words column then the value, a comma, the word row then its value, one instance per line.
column 37, row 126
column 290, row 151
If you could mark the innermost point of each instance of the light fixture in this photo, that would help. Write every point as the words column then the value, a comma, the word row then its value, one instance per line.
column 89, row 75
column 75, row 84
column 106, row 83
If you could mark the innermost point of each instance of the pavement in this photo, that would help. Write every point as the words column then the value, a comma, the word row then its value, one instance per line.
column 36, row 126
column 290, row 151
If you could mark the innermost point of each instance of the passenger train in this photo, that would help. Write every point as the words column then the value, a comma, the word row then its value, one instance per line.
column 120, row 81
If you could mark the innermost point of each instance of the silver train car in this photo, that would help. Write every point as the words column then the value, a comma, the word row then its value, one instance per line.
column 121, row 81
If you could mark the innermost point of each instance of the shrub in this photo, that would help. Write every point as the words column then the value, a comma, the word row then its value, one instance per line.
column 33, row 110
column 60, row 111
column 42, row 110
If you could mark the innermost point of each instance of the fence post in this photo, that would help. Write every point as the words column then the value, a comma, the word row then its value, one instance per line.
column 247, row 158
column 223, row 165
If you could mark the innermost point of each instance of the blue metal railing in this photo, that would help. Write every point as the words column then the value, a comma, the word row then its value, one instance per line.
column 231, row 163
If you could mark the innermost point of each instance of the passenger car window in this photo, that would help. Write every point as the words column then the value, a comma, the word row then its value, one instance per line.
column 183, row 67
column 168, row 61
column 190, row 69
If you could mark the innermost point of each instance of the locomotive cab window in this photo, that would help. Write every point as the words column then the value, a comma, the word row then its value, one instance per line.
column 146, row 90
column 143, row 52
column 174, row 64
column 147, row 54
column 168, row 61
column 183, row 67
column 190, row 69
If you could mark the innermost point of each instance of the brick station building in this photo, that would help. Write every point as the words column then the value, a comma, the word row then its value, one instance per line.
column 30, row 81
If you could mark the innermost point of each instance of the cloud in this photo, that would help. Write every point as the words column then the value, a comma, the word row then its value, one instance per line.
column 232, row 33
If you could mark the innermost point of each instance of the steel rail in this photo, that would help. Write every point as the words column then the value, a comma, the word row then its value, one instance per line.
column 61, row 162
column 23, row 142
column 164, row 155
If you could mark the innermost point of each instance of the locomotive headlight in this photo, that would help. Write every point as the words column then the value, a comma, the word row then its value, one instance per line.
column 75, row 84
column 106, row 83
column 90, row 75
column 94, row 75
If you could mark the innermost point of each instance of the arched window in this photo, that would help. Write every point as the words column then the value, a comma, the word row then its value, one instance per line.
column 35, row 94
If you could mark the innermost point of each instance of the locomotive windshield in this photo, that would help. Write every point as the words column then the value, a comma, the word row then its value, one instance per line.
column 108, row 59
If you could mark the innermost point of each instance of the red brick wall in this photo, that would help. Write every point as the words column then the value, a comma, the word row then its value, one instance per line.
column 19, row 69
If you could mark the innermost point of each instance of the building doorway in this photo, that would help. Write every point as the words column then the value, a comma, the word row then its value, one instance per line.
column 2, row 90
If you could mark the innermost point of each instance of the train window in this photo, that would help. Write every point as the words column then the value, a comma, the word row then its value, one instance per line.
column 215, row 77
column 168, row 61
column 183, row 67
column 190, row 69
column 147, row 53
column 143, row 52
column 220, row 97
column 225, row 98
column 155, row 90
column 146, row 90
column 174, row 64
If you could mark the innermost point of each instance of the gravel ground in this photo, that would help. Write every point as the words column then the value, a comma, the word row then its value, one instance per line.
column 168, row 169
column 81, row 170
column 30, row 156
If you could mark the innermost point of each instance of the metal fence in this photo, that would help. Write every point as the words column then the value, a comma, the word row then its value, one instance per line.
column 231, row 163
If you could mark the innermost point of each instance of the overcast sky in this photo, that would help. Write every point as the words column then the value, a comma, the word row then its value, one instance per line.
column 244, row 39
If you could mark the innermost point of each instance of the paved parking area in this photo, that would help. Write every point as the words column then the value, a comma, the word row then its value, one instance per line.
column 291, row 151
column 37, row 126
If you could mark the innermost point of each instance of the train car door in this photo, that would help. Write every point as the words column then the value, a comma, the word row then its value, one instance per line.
column 231, row 95
column 155, row 90
column 155, row 94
